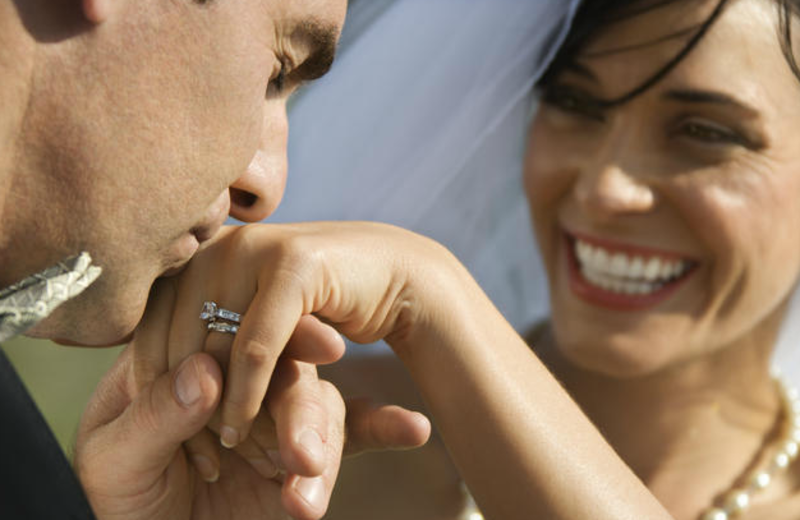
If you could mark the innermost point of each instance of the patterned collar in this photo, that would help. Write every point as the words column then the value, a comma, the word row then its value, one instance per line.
column 28, row 302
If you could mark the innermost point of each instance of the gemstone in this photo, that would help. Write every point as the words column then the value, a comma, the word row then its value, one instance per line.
column 209, row 311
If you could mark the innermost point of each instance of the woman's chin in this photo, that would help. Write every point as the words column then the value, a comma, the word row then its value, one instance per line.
column 618, row 355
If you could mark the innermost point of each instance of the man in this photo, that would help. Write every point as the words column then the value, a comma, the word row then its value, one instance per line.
column 130, row 130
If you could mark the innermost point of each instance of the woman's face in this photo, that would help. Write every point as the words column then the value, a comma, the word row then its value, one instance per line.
column 669, row 225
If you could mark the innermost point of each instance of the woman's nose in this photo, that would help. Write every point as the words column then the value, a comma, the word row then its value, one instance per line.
column 256, row 194
column 608, row 191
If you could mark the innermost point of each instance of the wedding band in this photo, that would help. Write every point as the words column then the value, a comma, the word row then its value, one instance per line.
column 212, row 312
column 221, row 326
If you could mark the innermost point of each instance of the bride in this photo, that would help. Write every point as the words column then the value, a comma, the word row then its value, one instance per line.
column 661, row 175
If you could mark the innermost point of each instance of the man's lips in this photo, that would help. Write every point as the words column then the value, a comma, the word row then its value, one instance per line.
column 190, row 242
column 214, row 218
column 623, row 276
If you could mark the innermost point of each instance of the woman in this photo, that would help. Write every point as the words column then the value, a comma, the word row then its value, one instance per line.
column 661, row 171
column 687, row 167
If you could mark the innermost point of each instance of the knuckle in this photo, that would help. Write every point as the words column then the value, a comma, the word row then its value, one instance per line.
column 253, row 353
column 145, row 417
column 297, row 258
column 333, row 397
column 308, row 407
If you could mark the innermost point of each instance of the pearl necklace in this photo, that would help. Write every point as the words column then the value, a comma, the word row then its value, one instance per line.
column 738, row 499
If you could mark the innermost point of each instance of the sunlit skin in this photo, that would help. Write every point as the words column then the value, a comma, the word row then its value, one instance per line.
column 678, row 384
column 710, row 181
column 702, row 166
column 107, row 122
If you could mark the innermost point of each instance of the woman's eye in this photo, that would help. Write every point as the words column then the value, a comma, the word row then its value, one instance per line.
column 573, row 102
column 710, row 133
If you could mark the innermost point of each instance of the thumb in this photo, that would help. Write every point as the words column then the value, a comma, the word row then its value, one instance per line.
column 164, row 414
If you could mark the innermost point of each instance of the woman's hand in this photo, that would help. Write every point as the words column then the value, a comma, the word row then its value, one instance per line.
column 130, row 454
column 358, row 277
column 478, row 377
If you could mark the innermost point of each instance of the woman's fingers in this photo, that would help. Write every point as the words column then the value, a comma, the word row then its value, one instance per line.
column 266, row 329
column 306, row 498
column 372, row 427
column 302, row 411
column 315, row 342
column 202, row 450
column 258, row 458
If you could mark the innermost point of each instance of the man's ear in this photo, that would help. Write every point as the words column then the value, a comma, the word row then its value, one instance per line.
column 97, row 11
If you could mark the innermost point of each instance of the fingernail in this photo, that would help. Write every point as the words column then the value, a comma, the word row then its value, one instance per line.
column 228, row 437
column 312, row 490
column 310, row 441
column 206, row 468
column 187, row 385
column 265, row 467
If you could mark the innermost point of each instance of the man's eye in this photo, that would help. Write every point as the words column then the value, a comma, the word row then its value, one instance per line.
column 572, row 101
column 277, row 84
column 710, row 133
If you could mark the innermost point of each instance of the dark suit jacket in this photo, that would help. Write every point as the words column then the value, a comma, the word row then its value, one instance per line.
column 36, row 480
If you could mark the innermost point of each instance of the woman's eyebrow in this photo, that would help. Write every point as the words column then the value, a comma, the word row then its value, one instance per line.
column 320, row 39
column 709, row 97
column 581, row 70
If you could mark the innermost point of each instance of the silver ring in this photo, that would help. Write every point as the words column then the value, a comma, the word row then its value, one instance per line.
column 212, row 312
column 221, row 326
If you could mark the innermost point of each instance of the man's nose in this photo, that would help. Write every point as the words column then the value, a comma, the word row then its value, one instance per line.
column 256, row 194
column 607, row 191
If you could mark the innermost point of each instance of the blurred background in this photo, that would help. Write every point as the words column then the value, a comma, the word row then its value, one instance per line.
column 60, row 379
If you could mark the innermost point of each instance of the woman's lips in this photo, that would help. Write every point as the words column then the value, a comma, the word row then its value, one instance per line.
column 621, row 276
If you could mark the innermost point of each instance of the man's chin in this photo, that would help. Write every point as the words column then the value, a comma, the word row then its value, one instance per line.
column 80, row 338
column 71, row 343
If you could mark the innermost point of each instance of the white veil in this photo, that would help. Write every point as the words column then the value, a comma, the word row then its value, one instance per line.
column 421, row 123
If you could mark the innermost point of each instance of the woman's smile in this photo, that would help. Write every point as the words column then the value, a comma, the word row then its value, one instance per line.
column 623, row 276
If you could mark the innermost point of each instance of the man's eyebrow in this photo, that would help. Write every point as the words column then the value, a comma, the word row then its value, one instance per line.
column 709, row 97
column 320, row 39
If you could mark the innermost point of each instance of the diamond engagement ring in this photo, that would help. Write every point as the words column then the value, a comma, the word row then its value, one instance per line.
column 221, row 326
column 220, row 320
column 212, row 312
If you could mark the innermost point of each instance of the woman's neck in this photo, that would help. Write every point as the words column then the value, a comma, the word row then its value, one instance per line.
column 690, row 431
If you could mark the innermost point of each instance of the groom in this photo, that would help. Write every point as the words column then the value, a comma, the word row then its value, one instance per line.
column 129, row 131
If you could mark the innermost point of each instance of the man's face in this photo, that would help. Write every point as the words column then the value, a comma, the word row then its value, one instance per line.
column 149, row 129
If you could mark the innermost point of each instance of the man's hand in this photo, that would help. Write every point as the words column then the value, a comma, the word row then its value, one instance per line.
column 143, row 448
column 130, row 457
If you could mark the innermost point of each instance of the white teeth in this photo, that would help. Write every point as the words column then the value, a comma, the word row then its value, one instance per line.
column 652, row 269
column 620, row 273
column 666, row 270
column 619, row 265
column 600, row 260
column 637, row 268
